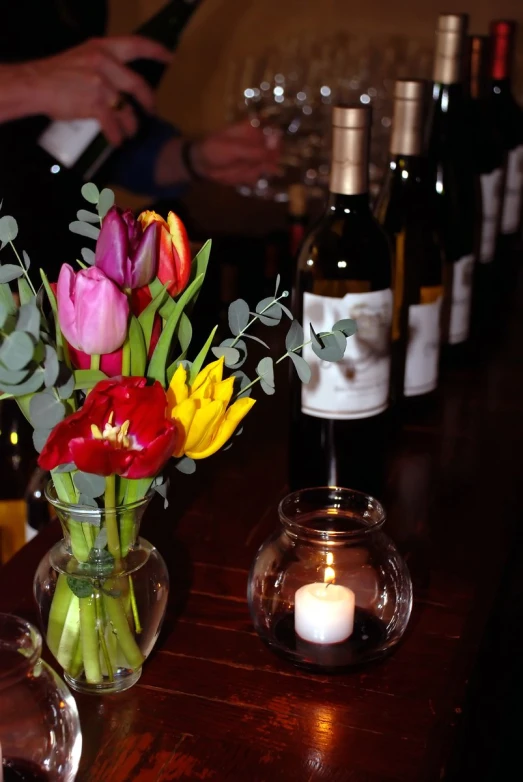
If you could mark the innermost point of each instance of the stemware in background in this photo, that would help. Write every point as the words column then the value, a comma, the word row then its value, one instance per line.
column 40, row 735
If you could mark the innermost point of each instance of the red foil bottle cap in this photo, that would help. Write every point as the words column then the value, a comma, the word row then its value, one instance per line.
column 502, row 33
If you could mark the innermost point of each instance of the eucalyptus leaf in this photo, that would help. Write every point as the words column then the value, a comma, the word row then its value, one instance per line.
column 333, row 346
column 24, row 291
column 89, row 484
column 294, row 338
column 69, row 467
column 90, row 192
column 105, row 201
column 8, row 229
column 33, row 383
column 12, row 376
column 265, row 370
column 256, row 339
column 347, row 326
column 238, row 316
column 315, row 338
column 269, row 390
column 231, row 355
column 163, row 488
column 303, row 370
column 66, row 383
column 26, row 259
column 239, row 345
column 6, row 297
column 46, row 410
column 271, row 311
column 51, row 367
column 88, row 255
column 286, row 310
column 85, row 499
column 84, row 216
column 17, row 350
column 10, row 272
column 29, row 319
column 40, row 437
column 277, row 285
column 84, row 229
column 238, row 431
column 3, row 314
column 243, row 382
column 80, row 587
column 101, row 539
column 186, row 466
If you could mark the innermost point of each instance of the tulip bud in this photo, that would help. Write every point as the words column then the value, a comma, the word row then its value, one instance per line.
column 174, row 264
column 92, row 311
column 126, row 251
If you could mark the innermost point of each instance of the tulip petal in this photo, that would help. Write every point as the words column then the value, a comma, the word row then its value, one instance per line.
column 145, row 258
column 147, row 217
column 177, row 391
column 223, row 390
column 235, row 414
column 112, row 247
column 99, row 456
column 147, row 462
column 214, row 371
column 181, row 252
column 66, row 297
column 102, row 311
column 204, row 424
column 183, row 415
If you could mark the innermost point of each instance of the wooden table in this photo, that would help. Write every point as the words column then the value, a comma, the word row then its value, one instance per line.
column 214, row 704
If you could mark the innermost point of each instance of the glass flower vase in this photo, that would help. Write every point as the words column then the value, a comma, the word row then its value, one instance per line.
column 102, row 595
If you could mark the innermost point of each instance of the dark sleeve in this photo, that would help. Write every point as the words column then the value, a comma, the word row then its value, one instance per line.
column 133, row 167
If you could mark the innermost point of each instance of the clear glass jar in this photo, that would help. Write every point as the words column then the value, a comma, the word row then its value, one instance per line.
column 101, row 613
column 329, row 590
column 40, row 736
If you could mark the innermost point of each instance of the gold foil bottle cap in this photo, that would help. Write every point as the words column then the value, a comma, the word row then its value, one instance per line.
column 407, row 122
column 350, row 150
column 478, row 50
column 450, row 35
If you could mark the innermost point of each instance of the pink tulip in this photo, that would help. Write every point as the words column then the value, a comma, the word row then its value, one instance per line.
column 127, row 252
column 92, row 311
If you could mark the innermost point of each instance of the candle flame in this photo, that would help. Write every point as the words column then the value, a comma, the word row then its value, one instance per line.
column 330, row 575
column 330, row 557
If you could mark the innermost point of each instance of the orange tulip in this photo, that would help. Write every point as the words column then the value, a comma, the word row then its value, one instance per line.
column 174, row 264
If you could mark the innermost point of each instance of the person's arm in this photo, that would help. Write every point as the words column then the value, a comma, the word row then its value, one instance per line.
column 16, row 92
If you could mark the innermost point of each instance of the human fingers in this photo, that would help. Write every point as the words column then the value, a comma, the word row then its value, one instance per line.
column 135, row 47
column 124, row 80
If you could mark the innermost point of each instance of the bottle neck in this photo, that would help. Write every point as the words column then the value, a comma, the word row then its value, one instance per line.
column 340, row 204
column 350, row 161
column 502, row 38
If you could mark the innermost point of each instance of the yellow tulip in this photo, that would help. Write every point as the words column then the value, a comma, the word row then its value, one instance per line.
column 203, row 411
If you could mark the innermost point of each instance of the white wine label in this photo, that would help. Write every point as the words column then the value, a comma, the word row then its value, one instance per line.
column 358, row 385
column 462, row 272
column 513, row 191
column 67, row 141
column 421, row 369
column 491, row 204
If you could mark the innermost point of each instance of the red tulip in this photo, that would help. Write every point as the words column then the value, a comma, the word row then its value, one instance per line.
column 121, row 429
column 174, row 262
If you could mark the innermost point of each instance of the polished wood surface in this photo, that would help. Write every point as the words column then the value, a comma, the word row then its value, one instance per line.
column 214, row 704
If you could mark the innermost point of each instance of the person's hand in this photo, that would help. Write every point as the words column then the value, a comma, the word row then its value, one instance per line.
column 89, row 80
column 237, row 155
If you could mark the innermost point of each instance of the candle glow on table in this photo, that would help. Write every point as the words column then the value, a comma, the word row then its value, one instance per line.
column 323, row 611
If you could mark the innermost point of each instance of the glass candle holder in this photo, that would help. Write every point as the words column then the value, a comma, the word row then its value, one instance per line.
column 329, row 590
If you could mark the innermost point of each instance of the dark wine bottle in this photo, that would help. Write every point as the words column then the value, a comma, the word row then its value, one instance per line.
column 79, row 146
column 405, row 210
column 297, row 216
column 486, row 145
column 452, row 178
column 344, row 271
column 509, row 118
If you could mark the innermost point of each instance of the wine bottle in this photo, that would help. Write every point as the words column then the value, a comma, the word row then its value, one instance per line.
column 79, row 146
column 452, row 178
column 509, row 119
column 344, row 271
column 486, row 145
column 405, row 210
column 297, row 216
column 17, row 461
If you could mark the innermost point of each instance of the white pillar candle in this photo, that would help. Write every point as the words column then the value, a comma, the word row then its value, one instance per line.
column 324, row 613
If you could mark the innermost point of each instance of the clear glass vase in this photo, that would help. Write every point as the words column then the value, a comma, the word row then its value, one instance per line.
column 40, row 736
column 102, row 595
column 329, row 590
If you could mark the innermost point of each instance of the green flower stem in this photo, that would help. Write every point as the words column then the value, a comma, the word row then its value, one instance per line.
column 22, row 264
column 62, row 599
column 134, row 606
column 89, row 636
column 70, row 635
column 95, row 361
column 77, row 663
column 113, row 540
column 79, row 544
column 126, row 358
column 65, row 487
column 128, row 645
column 99, row 609
column 135, row 491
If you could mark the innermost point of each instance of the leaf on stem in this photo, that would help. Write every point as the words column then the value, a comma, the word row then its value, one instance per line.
column 24, row 291
column 84, row 229
column 239, row 346
column 332, row 346
column 89, row 484
column 347, row 326
column 303, row 370
column 243, row 381
column 65, row 383
column 294, row 338
column 88, row 255
column 90, row 192
column 29, row 319
column 186, row 466
column 40, row 438
column 238, row 316
column 271, row 311
column 46, row 410
column 10, row 272
column 265, row 371
column 17, row 350
column 105, row 201
column 277, row 285
column 84, row 216
column 231, row 355
column 51, row 367
column 26, row 260
column 8, row 229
